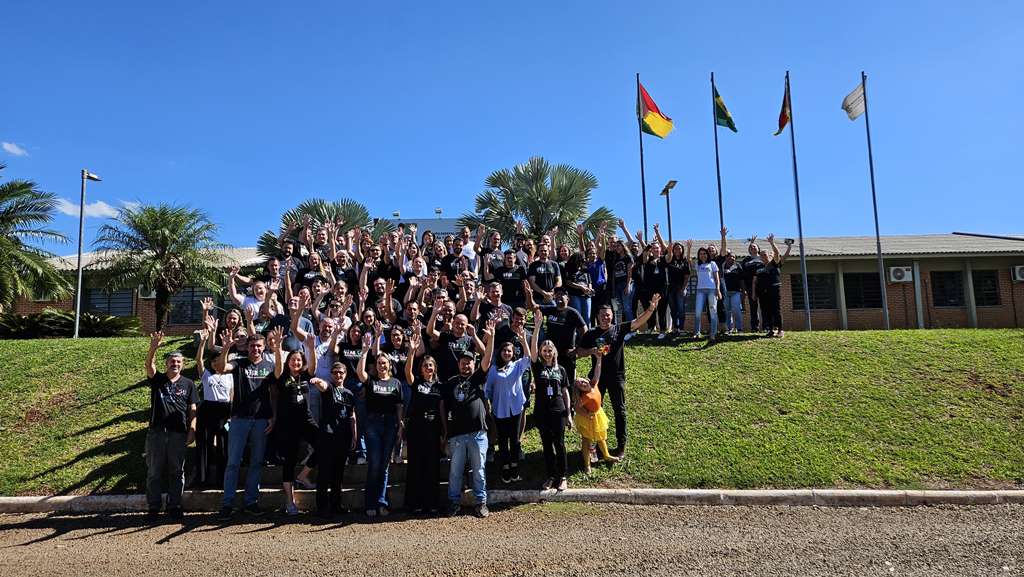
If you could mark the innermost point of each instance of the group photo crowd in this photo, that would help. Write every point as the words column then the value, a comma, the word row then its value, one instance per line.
column 411, row 348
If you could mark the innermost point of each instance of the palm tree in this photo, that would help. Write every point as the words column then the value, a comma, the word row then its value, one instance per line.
column 24, row 269
column 349, row 212
column 542, row 196
column 163, row 248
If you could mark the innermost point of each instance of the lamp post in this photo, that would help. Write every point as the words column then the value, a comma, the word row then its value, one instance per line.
column 668, row 206
column 86, row 175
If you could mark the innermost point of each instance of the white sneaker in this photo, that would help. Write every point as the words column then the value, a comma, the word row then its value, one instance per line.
column 627, row 337
column 291, row 510
column 661, row 336
column 361, row 460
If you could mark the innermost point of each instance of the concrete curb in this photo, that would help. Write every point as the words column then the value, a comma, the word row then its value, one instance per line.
column 742, row 497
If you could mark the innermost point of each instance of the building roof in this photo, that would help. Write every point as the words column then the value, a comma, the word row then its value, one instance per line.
column 821, row 247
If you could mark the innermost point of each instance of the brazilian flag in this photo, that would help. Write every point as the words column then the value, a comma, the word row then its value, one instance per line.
column 722, row 116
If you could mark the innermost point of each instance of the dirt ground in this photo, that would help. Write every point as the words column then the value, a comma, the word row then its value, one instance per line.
column 553, row 539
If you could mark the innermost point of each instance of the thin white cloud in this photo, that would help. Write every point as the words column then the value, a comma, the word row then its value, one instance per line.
column 131, row 204
column 13, row 149
column 98, row 209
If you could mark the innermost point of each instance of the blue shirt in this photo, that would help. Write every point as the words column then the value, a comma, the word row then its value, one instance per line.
column 504, row 388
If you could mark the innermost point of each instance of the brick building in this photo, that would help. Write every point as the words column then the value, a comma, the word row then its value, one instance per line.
column 932, row 281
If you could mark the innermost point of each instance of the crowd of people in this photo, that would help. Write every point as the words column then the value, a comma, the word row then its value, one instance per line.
column 345, row 349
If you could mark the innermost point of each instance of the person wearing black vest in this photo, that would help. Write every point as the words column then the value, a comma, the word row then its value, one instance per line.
column 336, row 438
column 172, row 427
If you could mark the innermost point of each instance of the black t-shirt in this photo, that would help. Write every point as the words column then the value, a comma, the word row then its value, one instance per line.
column 562, row 326
column 449, row 349
column 613, row 363
column 502, row 313
column 511, row 280
column 464, row 401
column 383, row 395
column 678, row 271
column 433, row 262
column 306, row 276
column 169, row 403
column 544, row 273
column 293, row 399
column 751, row 266
column 348, row 276
column 426, row 402
column 252, row 388
column 349, row 354
column 655, row 275
column 579, row 276
column 551, row 381
column 773, row 274
column 337, row 407
column 453, row 265
column 733, row 276
column 398, row 357
column 619, row 268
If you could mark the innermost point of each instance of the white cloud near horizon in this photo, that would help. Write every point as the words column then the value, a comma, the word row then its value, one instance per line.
column 13, row 149
column 98, row 209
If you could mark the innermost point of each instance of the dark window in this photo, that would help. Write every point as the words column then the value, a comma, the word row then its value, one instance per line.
column 986, row 288
column 862, row 290
column 117, row 303
column 948, row 288
column 185, row 307
column 691, row 294
column 822, row 288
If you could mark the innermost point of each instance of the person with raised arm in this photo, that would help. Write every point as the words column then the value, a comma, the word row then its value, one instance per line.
column 214, row 412
column 425, row 431
column 768, row 288
column 384, row 422
column 294, row 423
column 590, row 419
column 505, row 392
column 336, row 438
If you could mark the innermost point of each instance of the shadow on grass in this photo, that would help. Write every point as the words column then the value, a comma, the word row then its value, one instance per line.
column 137, row 416
column 125, row 473
column 129, row 388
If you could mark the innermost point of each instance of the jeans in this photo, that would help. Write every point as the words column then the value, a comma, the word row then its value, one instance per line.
column 707, row 296
column 582, row 306
column 625, row 299
column 242, row 431
column 355, row 387
column 165, row 457
column 734, row 310
column 677, row 304
column 471, row 446
column 381, row 432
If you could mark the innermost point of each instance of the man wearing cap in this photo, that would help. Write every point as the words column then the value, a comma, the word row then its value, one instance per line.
column 172, row 427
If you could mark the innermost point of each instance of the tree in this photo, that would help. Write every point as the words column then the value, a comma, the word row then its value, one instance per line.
column 163, row 248
column 350, row 213
column 25, row 211
column 542, row 196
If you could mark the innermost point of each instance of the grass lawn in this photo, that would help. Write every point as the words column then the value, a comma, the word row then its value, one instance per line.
column 906, row 409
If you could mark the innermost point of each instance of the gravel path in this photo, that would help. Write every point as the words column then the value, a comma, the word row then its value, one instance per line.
column 554, row 539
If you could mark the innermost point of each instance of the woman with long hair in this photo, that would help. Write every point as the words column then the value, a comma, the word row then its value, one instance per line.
column 577, row 281
column 425, row 432
column 768, row 287
column 294, row 422
column 551, row 411
column 678, row 262
column 336, row 439
column 708, row 291
column 504, row 390
column 384, row 413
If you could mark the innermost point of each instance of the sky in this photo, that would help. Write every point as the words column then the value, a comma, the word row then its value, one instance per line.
column 244, row 109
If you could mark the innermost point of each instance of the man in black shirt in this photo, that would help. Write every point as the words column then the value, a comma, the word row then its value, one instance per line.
column 511, row 276
column 610, row 337
column 545, row 276
column 172, row 427
column 466, row 406
column 564, row 326
column 751, row 265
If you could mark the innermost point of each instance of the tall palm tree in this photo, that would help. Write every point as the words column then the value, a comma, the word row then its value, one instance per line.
column 319, row 212
column 542, row 196
column 25, row 212
column 163, row 248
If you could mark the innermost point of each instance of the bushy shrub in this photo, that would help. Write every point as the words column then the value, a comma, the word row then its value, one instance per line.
column 61, row 323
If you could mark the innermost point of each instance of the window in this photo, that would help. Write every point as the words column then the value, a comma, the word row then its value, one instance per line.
column 117, row 303
column 822, row 288
column 691, row 293
column 948, row 288
column 986, row 288
column 185, row 307
column 862, row 290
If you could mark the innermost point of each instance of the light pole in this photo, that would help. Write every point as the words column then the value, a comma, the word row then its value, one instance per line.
column 86, row 175
column 668, row 206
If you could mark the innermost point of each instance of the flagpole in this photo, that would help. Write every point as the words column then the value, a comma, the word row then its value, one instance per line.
column 799, row 220
column 718, row 170
column 874, row 201
column 640, row 132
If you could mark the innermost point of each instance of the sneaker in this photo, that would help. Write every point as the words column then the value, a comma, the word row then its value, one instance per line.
column 454, row 509
column 383, row 511
column 698, row 336
column 305, row 483
column 253, row 510
column 153, row 514
column 619, row 453
column 514, row 475
column 371, row 513
column 627, row 337
column 780, row 334
column 563, row 484
column 225, row 514
column 506, row 474
column 661, row 336
column 291, row 510
column 175, row 513
column 547, row 484
column 481, row 511
column 360, row 460
column 490, row 454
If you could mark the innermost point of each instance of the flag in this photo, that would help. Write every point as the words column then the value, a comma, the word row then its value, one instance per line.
column 853, row 104
column 722, row 116
column 652, row 120
column 785, row 113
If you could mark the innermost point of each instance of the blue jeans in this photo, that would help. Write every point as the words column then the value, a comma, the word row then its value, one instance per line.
column 381, row 431
column 240, row 432
column 677, row 304
column 734, row 310
column 707, row 296
column 471, row 446
column 582, row 306
column 360, row 406
column 625, row 299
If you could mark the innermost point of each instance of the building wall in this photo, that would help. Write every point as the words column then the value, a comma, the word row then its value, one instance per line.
column 145, row 309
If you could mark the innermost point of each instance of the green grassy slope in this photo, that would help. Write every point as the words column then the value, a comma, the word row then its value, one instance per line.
column 855, row 409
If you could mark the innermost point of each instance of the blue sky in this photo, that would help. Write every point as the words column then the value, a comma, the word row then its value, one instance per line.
column 245, row 108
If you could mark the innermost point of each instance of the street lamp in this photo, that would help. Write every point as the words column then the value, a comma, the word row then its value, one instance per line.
column 86, row 175
column 668, row 207
column 437, row 212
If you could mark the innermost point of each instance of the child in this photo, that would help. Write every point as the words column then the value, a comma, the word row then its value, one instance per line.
column 591, row 422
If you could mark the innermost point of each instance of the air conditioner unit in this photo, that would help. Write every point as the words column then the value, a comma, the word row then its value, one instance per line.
column 144, row 294
column 1018, row 273
column 901, row 274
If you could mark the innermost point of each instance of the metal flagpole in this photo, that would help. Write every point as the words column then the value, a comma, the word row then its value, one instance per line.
column 799, row 220
column 718, row 170
column 640, row 131
column 874, row 201
column 81, row 227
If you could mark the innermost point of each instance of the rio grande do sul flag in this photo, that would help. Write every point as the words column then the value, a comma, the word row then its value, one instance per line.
column 652, row 120
column 785, row 113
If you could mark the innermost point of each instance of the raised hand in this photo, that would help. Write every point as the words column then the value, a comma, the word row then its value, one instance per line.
column 655, row 300
column 367, row 341
column 725, row 231
column 233, row 271
column 622, row 223
column 378, row 327
column 275, row 338
column 689, row 243
column 489, row 327
column 470, row 330
column 770, row 237
column 206, row 303
column 225, row 337
column 155, row 339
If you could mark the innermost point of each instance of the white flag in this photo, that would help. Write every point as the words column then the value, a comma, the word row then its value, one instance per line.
column 853, row 104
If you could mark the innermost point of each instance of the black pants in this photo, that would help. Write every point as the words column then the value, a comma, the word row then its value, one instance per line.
column 771, row 308
column 752, row 305
column 423, row 473
column 552, row 439
column 291, row 432
column 660, row 318
column 569, row 365
column 508, row 439
column 333, row 450
column 615, row 387
column 211, row 441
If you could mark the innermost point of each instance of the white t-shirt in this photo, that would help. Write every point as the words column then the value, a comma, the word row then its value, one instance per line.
column 217, row 387
column 253, row 305
column 706, row 275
